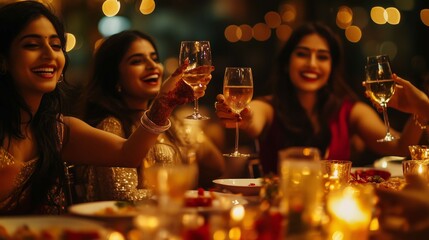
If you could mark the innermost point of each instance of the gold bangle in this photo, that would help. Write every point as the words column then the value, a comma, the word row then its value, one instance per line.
column 418, row 122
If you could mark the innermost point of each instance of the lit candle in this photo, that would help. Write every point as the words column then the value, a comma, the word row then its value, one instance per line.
column 420, row 170
column 237, row 213
column 351, row 211
column 334, row 174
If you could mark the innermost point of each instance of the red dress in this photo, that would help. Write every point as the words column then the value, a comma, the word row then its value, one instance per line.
column 336, row 145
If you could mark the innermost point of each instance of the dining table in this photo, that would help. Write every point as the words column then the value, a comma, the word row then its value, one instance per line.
column 242, row 208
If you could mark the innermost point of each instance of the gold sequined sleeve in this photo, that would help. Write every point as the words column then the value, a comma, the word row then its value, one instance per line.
column 5, row 158
column 111, row 125
column 114, row 183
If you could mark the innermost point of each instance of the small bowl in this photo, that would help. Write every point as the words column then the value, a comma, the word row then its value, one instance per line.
column 419, row 152
column 369, row 175
column 416, row 167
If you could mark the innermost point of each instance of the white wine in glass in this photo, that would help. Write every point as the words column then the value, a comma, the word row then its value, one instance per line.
column 238, row 92
column 381, row 87
column 168, row 176
column 198, row 53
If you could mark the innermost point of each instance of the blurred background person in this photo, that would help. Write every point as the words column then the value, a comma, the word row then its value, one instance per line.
column 312, row 105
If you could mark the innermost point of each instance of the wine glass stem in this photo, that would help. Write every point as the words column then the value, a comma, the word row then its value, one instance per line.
column 236, row 138
column 386, row 118
column 196, row 112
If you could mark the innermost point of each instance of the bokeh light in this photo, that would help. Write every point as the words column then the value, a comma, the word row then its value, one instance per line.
column 111, row 25
column 344, row 17
column 232, row 33
column 288, row 13
column 111, row 7
column 246, row 33
column 353, row 34
column 424, row 16
column 261, row 32
column 71, row 42
column 147, row 6
column 378, row 15
column 393, row 15
column 283, row 32
column 273, row 19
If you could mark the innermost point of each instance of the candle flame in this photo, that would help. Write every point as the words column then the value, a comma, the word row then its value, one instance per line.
column 348, row 208
column 420, row 170
column 237, row 213
column 335, row 173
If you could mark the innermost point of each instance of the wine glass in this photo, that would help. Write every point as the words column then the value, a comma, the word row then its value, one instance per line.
column 301, row 186
column 300, row 153
column 198, row 53
column 168, row 176
column 238, row 92
column 381, row 87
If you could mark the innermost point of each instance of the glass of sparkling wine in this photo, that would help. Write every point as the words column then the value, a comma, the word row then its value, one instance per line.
column 198, row 53
column 168, row 176
column 381, row 87
column 238, row 92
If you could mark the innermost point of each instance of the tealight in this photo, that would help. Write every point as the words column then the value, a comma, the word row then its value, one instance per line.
column 416, row 167
column 350, row 210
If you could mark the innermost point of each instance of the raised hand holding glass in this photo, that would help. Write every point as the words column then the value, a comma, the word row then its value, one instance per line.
column 198, row 53
column 381, row 87
column 238, row 92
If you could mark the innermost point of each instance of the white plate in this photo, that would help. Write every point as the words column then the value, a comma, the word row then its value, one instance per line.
column 97, row 209
column 222, row 201
column 57, row 223
column 391, row 163
column 245, row 186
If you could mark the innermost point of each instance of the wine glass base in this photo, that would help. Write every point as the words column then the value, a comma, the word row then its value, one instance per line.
column 388, row 138
column 197, row 116
column 236, row 154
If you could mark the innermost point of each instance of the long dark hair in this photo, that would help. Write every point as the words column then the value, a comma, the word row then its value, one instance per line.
column 330, row 97
column 44, row 123
column 101, row 98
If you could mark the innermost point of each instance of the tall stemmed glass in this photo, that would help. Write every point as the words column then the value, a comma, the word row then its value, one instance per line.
column 168, row 176
column 381, row 87
column 198, row 53
column 238, row 92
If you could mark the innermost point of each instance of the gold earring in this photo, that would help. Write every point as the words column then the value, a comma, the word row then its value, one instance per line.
column 61, row 78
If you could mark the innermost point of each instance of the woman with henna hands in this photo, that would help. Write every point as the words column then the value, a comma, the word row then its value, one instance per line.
column 36, row 139
column 312, row 105
column 126, row 76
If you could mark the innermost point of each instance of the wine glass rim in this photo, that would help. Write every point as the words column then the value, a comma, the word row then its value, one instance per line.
column 192, row 41
column 378, row 55
column 239, row 68
column 375, row 59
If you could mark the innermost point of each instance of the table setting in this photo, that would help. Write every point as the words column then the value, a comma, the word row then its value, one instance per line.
column 321, row 199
